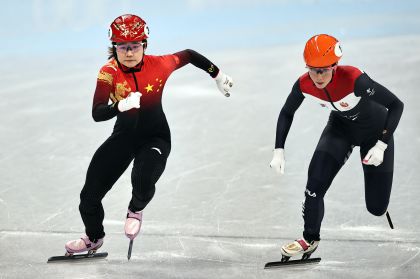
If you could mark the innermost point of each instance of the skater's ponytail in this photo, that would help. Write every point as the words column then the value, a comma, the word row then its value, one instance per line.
column 112, row 52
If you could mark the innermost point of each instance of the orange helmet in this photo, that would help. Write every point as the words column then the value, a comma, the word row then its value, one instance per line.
column 322, row 51
column 128, row 28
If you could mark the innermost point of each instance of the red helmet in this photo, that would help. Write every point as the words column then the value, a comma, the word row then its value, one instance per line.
column 128, row 28
column 322, row 51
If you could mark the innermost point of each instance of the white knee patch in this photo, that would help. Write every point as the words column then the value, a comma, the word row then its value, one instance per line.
column 157, row 149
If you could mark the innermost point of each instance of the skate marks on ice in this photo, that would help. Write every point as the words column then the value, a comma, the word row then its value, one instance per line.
column 217, row 244
column 179, row 255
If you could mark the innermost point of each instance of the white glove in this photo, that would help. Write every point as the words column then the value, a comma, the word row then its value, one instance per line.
column 132, row 101
column 278, row 161
column 375, row 156
column 224, row 83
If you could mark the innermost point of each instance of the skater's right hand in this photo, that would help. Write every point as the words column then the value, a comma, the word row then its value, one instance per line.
column 278, row 161
column 132, row 101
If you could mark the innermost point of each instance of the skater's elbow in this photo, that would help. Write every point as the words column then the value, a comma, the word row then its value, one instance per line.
column 102, row 113
column 96, row 117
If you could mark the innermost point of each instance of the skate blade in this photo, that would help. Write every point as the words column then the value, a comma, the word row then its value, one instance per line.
column 291, row 262
column 78, row 257
column 130, row 248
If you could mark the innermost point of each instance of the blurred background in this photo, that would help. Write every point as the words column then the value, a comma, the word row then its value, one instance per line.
column 50, row 27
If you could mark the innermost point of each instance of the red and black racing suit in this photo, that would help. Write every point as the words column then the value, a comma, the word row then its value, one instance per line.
column 362, row 112
column 140, row 134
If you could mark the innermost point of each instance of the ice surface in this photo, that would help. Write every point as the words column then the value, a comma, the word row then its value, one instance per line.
column 219, row 211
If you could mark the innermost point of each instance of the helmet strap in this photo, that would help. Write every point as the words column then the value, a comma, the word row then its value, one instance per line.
column 333, row 73
column 144, row 45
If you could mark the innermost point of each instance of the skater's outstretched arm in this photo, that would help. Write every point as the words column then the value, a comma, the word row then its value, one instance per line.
column 190, row 56
column 223, row 81
column 284, row 122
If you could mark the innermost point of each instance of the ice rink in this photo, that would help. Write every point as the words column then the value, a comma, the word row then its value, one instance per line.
column 219, row 210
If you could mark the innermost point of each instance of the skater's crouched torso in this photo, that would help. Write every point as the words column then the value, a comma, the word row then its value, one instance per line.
column 349, row 96
column 344, row 95
column 360, row 107
column 115, row 82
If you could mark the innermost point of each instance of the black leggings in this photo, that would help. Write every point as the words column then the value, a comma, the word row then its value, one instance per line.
column 108, row 163
column 331, row 153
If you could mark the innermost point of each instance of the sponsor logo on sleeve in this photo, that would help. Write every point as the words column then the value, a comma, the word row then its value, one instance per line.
column 370, row 91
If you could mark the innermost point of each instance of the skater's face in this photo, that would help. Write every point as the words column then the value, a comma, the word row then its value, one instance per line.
column 321, row 76
column 130, row 54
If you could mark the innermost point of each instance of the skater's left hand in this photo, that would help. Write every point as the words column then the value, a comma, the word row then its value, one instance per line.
column 278, row 161
column 375, row 156
column 224, row 83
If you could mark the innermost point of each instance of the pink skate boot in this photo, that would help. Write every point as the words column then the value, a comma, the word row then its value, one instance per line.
column 133, row 223
column 82, row 245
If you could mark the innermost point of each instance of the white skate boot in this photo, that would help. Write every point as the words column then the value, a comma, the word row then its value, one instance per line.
column 298, row 247
column 82, row 245
column 133, row 224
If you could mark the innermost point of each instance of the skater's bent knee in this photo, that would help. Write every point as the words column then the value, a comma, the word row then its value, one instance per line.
column 377, row 211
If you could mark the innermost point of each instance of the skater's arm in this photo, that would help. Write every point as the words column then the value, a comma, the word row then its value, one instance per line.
column 101, row 109
column 190, row 56
column 224, row 82
column 294, row 100
column 380, row 94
